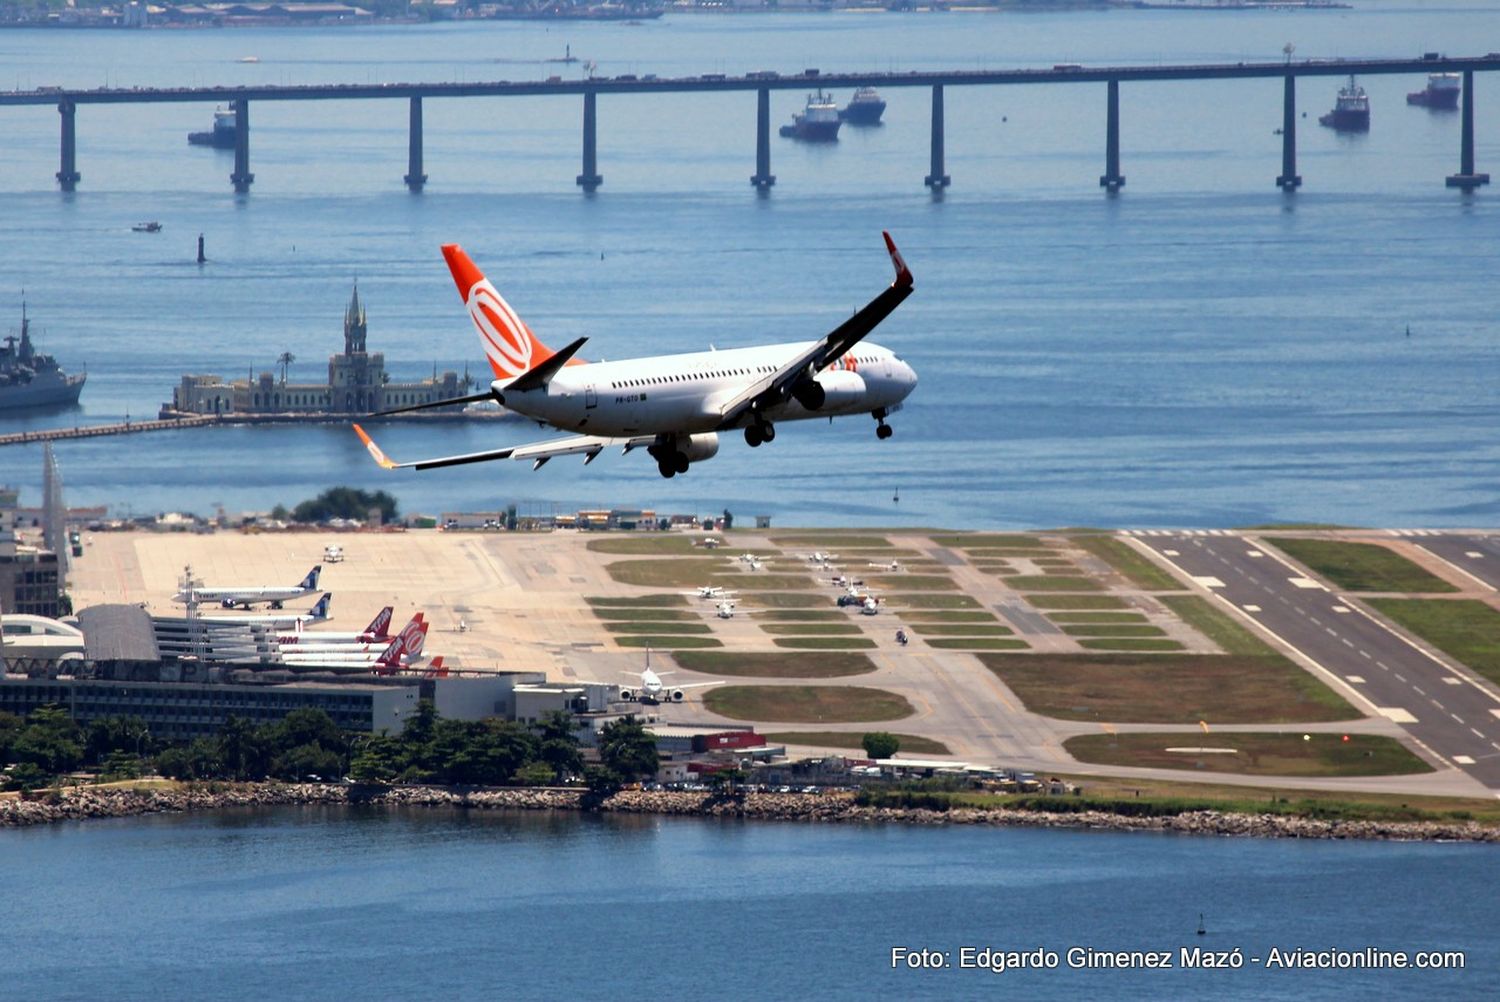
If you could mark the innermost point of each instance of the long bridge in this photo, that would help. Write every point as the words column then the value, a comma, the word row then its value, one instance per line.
column 762, row 83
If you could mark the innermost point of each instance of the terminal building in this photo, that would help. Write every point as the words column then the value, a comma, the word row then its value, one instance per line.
column 357, row 384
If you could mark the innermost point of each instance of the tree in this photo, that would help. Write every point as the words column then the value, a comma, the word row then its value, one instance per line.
column 601, row 780
column 49, row 741
column 175, row 763
column 118, row 734
column 534, row 774
column 26, row 776
column 244, row 749
column 880, row 744
column 380, row 759
column 307, row 760
column 559, row 744
column 628, row 749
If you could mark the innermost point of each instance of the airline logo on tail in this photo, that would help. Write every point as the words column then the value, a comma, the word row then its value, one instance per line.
column 311, row 581
column 408, row 644
column 379, row 624
column 319, row 610
column 508, row 342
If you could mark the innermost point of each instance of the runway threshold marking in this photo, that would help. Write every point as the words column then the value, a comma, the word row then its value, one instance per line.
column 1397, row 714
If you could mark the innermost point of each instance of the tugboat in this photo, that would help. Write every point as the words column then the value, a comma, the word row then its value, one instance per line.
column 865, row 108
column 1351, row 112
column 30, row 380
column 817, row 123
column 1441, row 93
column 221, row 137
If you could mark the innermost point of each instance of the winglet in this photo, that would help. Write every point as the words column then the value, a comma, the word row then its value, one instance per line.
column 380, row 457
column 903, row 273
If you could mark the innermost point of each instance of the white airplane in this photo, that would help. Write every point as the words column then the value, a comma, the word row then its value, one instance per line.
column 317, row 614
column 316, row 643
column 819, row 557
column 673, row 406
column 870, row 606
column 751, row 560
column 398, row 654
column 709, row 591
column 652, row 691
column 710, row 542
column 378, row 630
column 248, row 595
column 894, row 565
column 726, row 610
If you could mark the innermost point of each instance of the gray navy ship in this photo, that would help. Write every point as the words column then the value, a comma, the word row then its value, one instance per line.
column 30, row 380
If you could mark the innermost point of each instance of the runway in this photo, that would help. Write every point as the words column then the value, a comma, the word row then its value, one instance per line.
column 1451, row 712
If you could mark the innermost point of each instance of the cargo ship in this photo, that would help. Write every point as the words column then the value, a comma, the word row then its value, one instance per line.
column 1351, row 112
column 221, row 136
column 865, row 108
column 32, row 380
column 1440, row 94
column 817, row 123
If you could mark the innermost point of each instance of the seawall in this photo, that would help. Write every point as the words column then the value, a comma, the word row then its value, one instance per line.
column 83, row 804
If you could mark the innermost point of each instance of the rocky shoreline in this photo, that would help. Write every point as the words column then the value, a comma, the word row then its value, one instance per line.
column 86, row 803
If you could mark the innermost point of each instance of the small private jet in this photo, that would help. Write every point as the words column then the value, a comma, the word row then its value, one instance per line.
column 710, row 591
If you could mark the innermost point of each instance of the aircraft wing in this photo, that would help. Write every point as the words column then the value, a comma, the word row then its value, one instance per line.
column 537, row 452
column 777, row 387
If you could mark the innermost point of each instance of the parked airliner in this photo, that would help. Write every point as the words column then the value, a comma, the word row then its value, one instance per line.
column 673, row 406
column 317, row 614
column 246, row 595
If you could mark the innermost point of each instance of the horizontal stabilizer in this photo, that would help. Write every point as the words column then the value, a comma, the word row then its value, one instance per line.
column 472, row 398
column 540, row 374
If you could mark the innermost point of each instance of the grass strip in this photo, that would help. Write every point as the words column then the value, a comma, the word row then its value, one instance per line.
column 1254, row 754
column 825, row 643
column 1138, row 569
column 807, row 704
column 1176, row 689
column 1465, row 629
column 1360, row 566
column 774, row 664
column 911, row 744
column 1215, row 624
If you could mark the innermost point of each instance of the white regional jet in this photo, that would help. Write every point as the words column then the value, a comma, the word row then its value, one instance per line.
column 247, row 595
column 673, row 406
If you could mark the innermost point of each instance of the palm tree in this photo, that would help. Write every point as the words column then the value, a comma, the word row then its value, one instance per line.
column 285, row 359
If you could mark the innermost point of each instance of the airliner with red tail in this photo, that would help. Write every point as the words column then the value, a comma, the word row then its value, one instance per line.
column 673, row 406
column 405, row 648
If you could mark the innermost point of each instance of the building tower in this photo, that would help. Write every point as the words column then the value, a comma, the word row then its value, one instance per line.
column 354, row 325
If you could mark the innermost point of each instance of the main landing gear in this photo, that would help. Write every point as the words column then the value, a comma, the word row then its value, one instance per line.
column 762, row 431
column 882, row 430
column 669, row 462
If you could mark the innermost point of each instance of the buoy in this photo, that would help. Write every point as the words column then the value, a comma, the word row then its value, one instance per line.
column 1201, row 931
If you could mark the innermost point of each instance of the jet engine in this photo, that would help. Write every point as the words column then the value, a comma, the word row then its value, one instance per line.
column 831, row 390
column 677, row 695
column 699, row 447
column 627, row 694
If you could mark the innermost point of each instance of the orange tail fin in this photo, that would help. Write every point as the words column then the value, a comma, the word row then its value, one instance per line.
column 508, row 343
